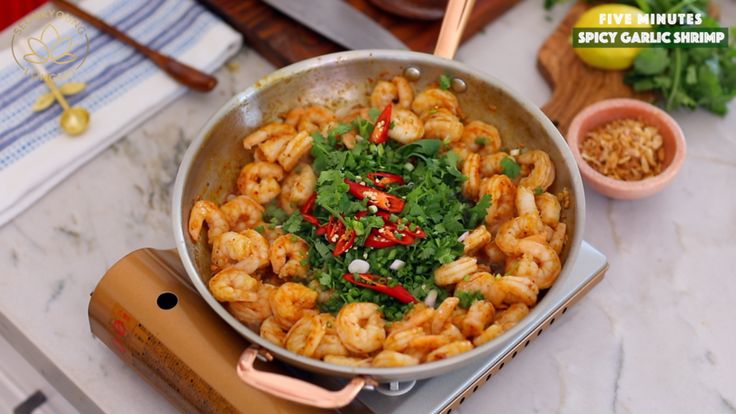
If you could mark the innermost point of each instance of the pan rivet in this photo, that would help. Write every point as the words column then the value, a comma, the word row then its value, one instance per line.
column 412, row 73
column 459, row 85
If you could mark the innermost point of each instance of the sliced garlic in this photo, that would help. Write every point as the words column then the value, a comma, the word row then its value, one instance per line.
column 359, row 266
column 431, row 298
column 397, row 264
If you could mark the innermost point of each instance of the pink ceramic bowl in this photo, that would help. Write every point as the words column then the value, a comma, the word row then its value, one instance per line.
column 611, row 109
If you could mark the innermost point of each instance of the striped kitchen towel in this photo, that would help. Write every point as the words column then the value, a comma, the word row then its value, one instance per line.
column 123, row 87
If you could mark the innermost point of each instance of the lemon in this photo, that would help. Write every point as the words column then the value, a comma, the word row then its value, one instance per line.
column 609, row 58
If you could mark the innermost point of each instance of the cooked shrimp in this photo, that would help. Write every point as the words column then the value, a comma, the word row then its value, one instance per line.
column 543, row 171
column 388, row 358
column 309, row 119
column 354, row 113
column 291, row 302
column 298, row 147
column 254, row 313
column 304, row 337
column 418, row 316
column 481, row 138
column 398, row 340
column 491, row 164
column 512, row 231
column 434, row 99
column 443, row 125
column 471, row 170
column 454, row 272
column 207, row 211
column 272, row 331
column 476, row 239
column 505, row 290
column 248, row 251
column 407, row 127
column 270, row 150
column 288, row 255
column 330, row 343
column 360, row 326
column 446, row 351
column 422, row 345
column 493, row 253
column 549, row 208
column 269, row 231
column 546, row 259
column 398, row 91
column 296, row 189
column 233, row 285
column 559, row 237
column 514, row 289
column 268, row 131
column 503, row 197
column 348, row 361
column 242, row 212
column 525, row 203
column 443, row 313
column 504, row 321
column 479, row 315
column 452, row 333
column 260, row 181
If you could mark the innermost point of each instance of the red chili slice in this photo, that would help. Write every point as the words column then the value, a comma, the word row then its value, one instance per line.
column 345, row 242
column 380, row 129
column 377, row 241
column 417, row 233
column 378, row 198
column 393, row 235
column 374, row 282
column 385, row 179
column 307, row 208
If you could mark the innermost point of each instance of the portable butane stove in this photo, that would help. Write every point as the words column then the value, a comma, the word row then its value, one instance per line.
column 146, row 311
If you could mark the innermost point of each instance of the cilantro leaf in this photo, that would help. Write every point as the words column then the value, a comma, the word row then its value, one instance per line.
column 510, row 168
column 445, row 82
column 467, row 298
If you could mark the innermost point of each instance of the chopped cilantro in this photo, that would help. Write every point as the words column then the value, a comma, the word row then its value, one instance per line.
column 538, row 191
column 373, row 114
column 510, row 168
column 445, row 82
column 274, row 215
column 338, row 130
column 467, row 298
column 481, row 141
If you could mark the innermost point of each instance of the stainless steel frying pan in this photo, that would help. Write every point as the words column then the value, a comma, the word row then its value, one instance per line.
column 213, row 161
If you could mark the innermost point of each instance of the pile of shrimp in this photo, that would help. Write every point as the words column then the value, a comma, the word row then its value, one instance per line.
column 254, row 271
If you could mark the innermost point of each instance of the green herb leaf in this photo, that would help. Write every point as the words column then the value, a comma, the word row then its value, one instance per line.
column 481, row 141
column 445, row 82
column 651, row 61
column 467, row 298
column 373, row 114
column 510, row 168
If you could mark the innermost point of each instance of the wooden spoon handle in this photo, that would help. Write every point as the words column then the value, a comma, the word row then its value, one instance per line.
column 184, row 74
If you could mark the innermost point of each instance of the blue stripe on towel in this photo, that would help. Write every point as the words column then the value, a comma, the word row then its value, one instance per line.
column 122, row 74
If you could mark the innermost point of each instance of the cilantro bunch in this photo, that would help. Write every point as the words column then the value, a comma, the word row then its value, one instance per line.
column 684, row 78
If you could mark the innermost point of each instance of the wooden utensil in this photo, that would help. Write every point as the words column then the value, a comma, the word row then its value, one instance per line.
column 282, row 41
column 576, row 85
column 184, row 74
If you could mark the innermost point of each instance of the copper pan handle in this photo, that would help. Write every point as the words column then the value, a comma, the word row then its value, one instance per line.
column 296, row 390
column 453, row 25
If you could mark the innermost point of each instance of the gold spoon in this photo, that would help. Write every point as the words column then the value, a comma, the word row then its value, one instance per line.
column 74, row 120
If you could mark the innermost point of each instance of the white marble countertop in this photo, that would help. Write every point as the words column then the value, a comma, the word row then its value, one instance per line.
column 657, row 335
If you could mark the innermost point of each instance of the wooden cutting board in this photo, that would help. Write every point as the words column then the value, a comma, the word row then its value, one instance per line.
column 574, row 84
column 283, row 41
